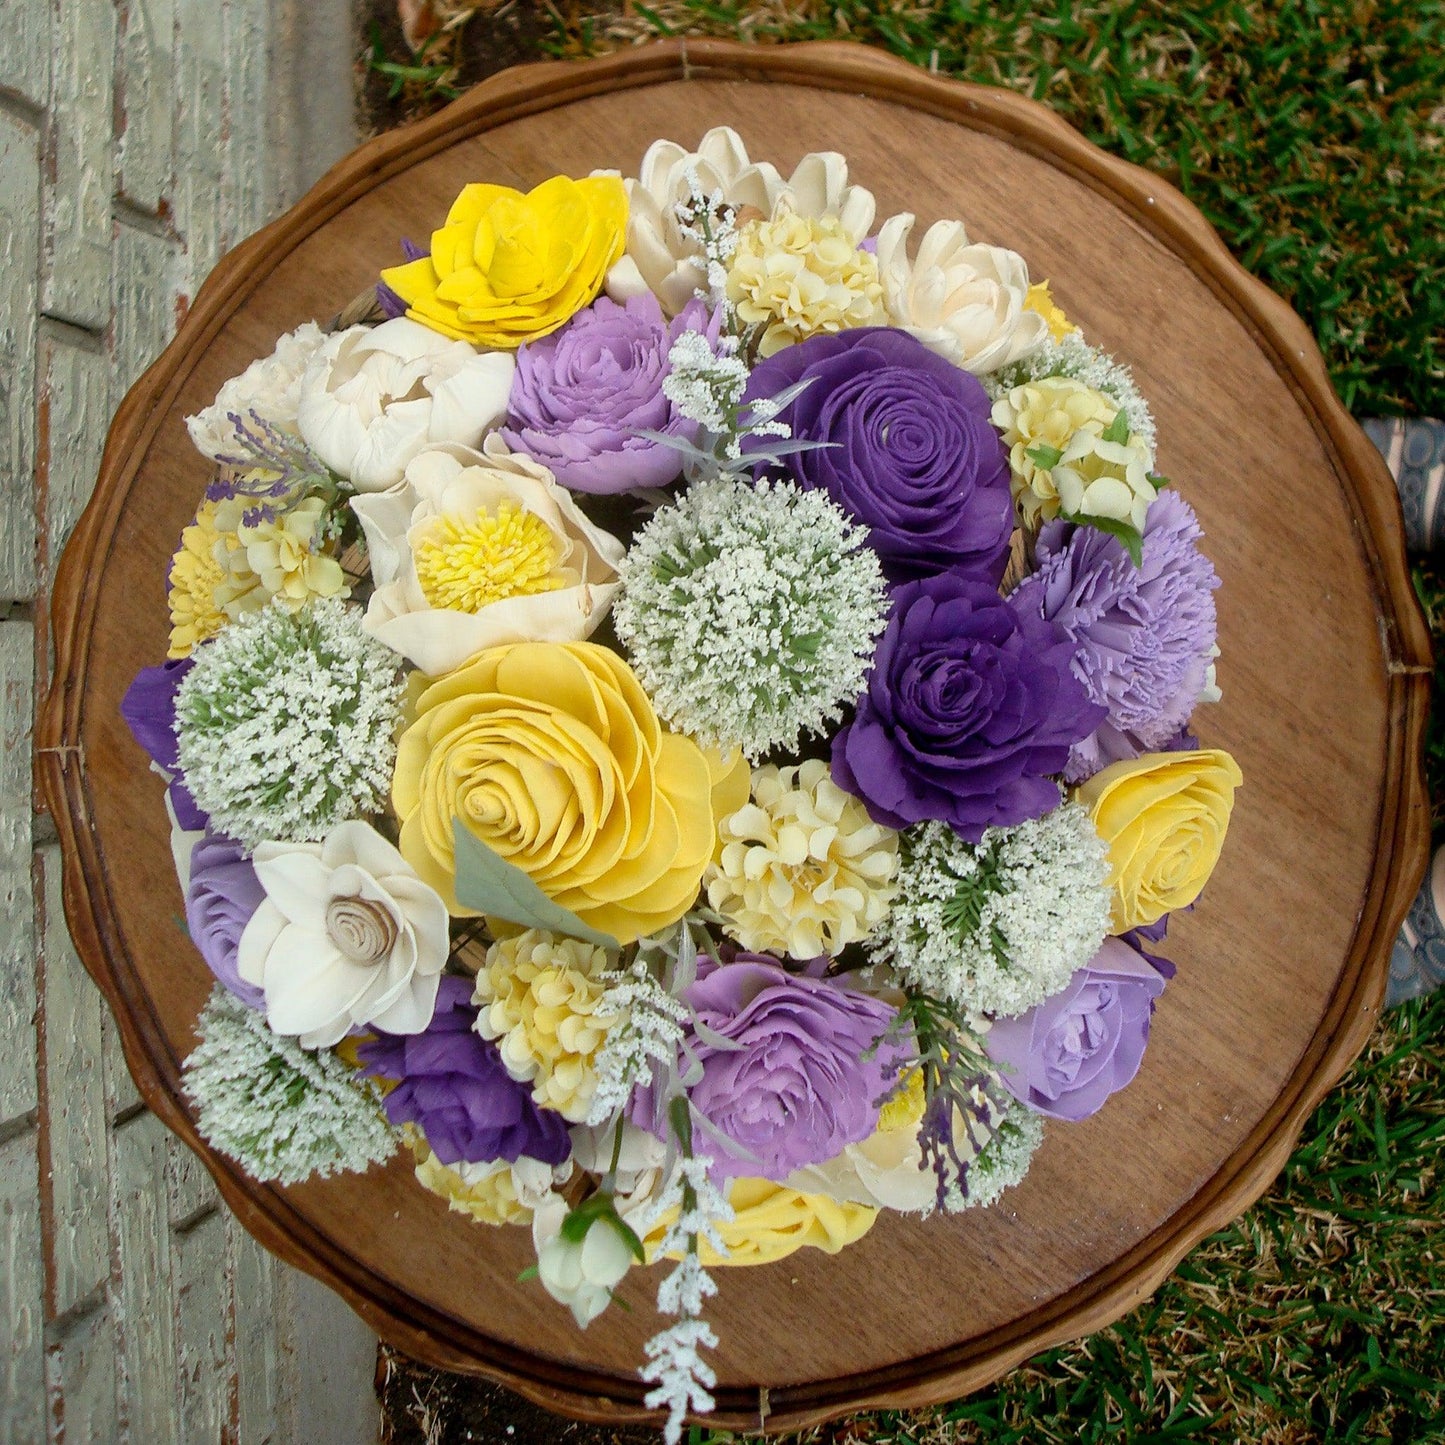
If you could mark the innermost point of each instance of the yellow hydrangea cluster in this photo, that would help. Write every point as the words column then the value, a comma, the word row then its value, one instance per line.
column 195, row 575
column 540, row 997
column 801, row 868
column 486, row 1192
column 798, row 276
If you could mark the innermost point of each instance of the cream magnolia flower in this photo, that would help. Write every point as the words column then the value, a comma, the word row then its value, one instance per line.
column 346, row 935
column 579, row 1274
column 475, row 549
column 963, row 301
column 270, row 387
column 801, row 868
column 817, row 190
column 373, row 397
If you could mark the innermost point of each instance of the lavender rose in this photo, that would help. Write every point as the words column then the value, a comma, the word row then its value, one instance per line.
column 971, row 705
column 149, row 710
column 914, row 455
column 455, row 1088
column 580, row 396
column 224, row 892
column 1066, row 1056
column 799, row 1088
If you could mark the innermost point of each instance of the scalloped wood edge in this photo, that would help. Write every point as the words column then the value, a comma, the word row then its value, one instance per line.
column 1402, row 829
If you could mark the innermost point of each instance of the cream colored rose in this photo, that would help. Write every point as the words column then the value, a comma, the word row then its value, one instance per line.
column 966, row 302
column 372, row 398
column 474, row 549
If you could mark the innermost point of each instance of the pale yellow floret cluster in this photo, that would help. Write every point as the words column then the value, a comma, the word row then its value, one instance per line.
column 801, row 868
column 466, row 563
column 541, row 1000
column 281, row 557
column 798, row 277
column 486, row 1192
column 196, row 617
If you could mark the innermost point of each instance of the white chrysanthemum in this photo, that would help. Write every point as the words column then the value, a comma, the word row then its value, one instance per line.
column 280, row 1112
column 750, row 613
column 1073, row 356
column 1002, row 1162
column 801, row 869
column 1000, row 925
column 287, row 724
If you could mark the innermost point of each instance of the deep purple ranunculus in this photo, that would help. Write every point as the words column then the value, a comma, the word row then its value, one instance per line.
column 149, row 710
column 223, row 894
column 580, row 396
column 455, row 1088
column 1065, row 1056
column 914, row 456
column 971, row 705
column 800, row 1087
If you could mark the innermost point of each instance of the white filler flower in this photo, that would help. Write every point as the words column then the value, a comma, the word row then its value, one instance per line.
column 346, row 935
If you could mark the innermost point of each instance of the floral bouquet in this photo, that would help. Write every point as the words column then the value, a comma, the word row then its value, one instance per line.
column 679, row 718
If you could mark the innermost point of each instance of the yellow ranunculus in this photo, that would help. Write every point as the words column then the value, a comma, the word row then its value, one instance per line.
column 771, row 1221
column 552, row 754
column 1163, row 817
column 508, row 268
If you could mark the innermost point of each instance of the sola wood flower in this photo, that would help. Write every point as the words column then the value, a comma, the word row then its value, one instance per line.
column 347, row 935
column 284, row 557
column 373, row 397
column 493, row 1192
column 480, row 548
column 195, row 576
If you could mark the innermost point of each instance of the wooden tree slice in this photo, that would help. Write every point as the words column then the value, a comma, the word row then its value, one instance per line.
column 1324, row 670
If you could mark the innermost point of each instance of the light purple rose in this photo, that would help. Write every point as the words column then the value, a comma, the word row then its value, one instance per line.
column 224, row 892
column 802, row 1085
column 580, row 396
column 1065, row 1056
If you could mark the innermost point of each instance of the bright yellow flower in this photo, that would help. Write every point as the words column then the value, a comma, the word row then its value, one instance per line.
column 552, row 754
column 1040, row 299
column 508, row 268
column 465, row 564
column 1163, row 817
column 196, row 616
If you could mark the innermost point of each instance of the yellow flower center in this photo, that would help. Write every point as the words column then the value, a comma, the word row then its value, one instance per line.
column 905, row 1109
column 466, row 564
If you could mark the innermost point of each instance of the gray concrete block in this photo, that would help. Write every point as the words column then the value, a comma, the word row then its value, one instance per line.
column 200, row 123
column 248, row 179
column 191, row 1192
column 145, row 159
column 80, row 1368
column 144, row 298
column 203, row 1297
column 17, row 908
column 25, row 55
column 256, row 1328
column 75, row 407
column 22, row 1284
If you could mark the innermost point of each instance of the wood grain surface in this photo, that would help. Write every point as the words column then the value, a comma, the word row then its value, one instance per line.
column 1324, row 670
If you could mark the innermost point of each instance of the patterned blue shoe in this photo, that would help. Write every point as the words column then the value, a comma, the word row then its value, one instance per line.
column 1417, row 965
column 1414, row 449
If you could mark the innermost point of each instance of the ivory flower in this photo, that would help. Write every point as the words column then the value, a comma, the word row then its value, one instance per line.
column 801, row 869
column 373, row 397
column 346, row 935
column 195, row 575
column 580, row 1274
column 1163, row 817
column 508, row 268
column 798, row 277
column 817, row 190
column 966, row 302
column 492, row 1193
column 285, row 557
column 541, row 999
column 552, row 754
column 475, row 549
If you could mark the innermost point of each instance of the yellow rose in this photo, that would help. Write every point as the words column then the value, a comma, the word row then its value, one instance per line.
column 552, row 754
column 771, row 1221
column 1163, row 817
column 508, row 268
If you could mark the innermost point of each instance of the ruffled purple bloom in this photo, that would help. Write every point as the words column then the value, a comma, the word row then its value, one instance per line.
column 455, row 1088
column 1065, row 1056
column 802, row 1085
column 971, row 705
column 580, row 396
column 914, row 455
column 223, row 894
column 1143, row 633
column 149, row 710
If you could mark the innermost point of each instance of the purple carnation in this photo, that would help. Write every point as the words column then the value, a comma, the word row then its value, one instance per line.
column 1066, row 1056
column 1144, row 633
column 580, row 396
column 455, row 1088
column 912, row 454
column 224, row 892
column 149, row 710
column 971, row 705
column 805, row 1081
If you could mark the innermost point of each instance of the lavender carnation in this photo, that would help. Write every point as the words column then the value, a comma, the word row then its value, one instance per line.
column 1144, row 633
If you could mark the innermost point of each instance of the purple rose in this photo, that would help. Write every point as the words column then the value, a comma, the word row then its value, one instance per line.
column 580, row 396
column 800, row 1087
column 223, row 894
column 455, row 1088
column 149, row 710
column 971, row 705
column 914, row 456
column 1065, row 1056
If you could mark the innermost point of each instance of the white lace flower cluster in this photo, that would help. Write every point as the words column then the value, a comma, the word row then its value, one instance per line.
column 287, row 724
column 999, row 926
column 750, row 613
column 1001, row 1163
column 648, row 1032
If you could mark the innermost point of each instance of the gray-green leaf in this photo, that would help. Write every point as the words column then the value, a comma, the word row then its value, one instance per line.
column 1118, row 429
column 1045, row 456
